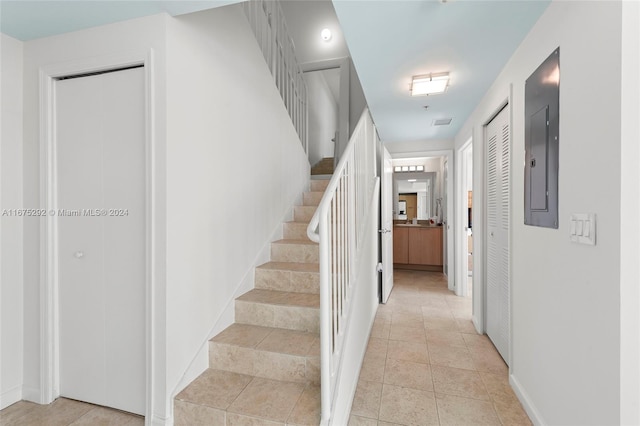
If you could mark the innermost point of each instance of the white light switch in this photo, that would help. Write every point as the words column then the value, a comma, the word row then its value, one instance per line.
column 582, row 228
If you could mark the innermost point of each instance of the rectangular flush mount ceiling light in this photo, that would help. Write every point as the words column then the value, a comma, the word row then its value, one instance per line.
column 429, row 84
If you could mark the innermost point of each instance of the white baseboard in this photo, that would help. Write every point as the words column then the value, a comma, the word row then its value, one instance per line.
column 525, row 400
column 474, row 320
column 158, row 421
column 10, row 397
column 31, row 394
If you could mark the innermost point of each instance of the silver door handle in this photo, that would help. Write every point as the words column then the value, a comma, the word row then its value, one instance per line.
column 384, row 231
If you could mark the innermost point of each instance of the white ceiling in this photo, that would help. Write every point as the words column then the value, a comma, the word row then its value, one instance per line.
column 389, row 41
column 31, row 19
column 392, row 40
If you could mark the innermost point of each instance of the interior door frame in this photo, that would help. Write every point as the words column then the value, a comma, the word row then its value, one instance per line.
column 343, row 103
column 451, row 244
column 49, row 290
column 386, row 207
column 462, row 217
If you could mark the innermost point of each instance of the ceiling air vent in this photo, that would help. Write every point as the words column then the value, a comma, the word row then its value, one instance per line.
column 442, row 121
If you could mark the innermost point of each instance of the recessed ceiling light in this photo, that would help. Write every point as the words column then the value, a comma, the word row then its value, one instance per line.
column 326, row 34
column 429, row 84
column 411, row 180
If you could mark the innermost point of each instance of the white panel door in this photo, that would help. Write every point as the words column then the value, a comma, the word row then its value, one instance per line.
column 498, row 284
column 100, row 164
column 387, row 225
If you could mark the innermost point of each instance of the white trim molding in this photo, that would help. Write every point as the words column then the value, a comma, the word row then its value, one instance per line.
column 49, row 332
column 461, row 218
column 10, row 396
column 525, row 400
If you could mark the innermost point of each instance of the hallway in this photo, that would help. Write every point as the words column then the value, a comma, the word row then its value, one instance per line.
column 426, row 365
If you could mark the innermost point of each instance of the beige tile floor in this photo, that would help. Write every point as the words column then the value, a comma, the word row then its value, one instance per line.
column 65, row 412
column 426, row 365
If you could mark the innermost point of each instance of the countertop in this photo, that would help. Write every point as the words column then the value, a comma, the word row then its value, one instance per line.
column 417, row 225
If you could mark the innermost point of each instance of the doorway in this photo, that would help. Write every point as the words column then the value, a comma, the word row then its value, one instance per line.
column 423, row 174
column 464, row 220
column 323, row 93
column 99, row 192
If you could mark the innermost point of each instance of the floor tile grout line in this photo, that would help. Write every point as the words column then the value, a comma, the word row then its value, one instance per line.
column 382, row 385
column 293, row 407
column 76, row 420
column 226, row 410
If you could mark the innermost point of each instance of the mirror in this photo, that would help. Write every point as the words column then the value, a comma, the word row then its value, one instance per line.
column 414, row 195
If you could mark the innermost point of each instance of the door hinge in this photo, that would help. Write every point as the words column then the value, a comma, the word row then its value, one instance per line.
column 379, row 267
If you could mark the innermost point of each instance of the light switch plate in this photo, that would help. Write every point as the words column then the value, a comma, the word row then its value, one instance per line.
column 582, row 228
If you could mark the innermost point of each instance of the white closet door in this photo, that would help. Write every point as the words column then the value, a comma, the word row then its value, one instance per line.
column 498, row 177
column 100, row 162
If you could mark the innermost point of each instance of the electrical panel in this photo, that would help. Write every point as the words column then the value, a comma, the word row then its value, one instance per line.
column 542, row 138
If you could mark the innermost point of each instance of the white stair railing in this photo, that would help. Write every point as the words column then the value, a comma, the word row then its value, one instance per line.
column 338, row 225
column 268, row 24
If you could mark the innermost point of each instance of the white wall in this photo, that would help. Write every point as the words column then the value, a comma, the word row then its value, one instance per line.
column 137, row 35
column 11, row 286
column 357, row 100
column 630, row 228
column 217, row 114
column 225, row 118
column 565, row 361
column 323, row 116
column 431, row 164
column 352, row 100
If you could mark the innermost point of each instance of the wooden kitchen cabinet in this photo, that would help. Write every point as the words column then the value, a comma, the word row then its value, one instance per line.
column 419, row 247
column 400, row 245
column 425, row 246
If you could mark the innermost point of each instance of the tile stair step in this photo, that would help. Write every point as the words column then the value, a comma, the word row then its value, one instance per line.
column 272, row 353
column 281, row 309
column 286, row 250
column 265, row 368
column 295, row 230
column 319, row 184
column 219, row 397
column 312, row 198
column 288, row 276
column 303, row 213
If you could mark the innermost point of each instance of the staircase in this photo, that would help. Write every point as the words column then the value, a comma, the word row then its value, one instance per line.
column 323, row 167
column 265, row 368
